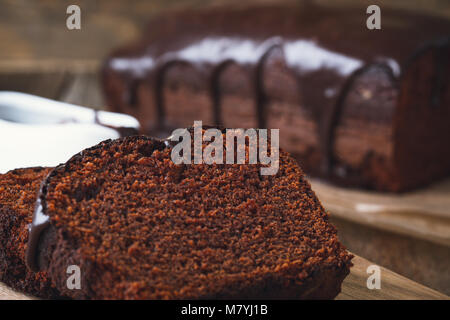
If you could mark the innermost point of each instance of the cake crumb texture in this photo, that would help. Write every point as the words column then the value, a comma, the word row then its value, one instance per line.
column 18, row 194
column 142, row 227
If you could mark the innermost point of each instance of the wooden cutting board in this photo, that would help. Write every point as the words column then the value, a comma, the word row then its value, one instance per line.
column 423, row 214
column 393, row 287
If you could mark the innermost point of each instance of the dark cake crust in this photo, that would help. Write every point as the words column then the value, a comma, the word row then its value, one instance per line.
column 340, row 109
column 18, row 194
column 189, row 255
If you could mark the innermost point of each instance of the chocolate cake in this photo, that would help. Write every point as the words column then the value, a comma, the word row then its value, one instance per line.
column 359, row 107
column 140, row 226
column 18, row 194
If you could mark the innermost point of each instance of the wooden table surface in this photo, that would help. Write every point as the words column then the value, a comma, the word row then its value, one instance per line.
column 423, row 214
column 393, row 287
column 36, row 30
column 408, row 233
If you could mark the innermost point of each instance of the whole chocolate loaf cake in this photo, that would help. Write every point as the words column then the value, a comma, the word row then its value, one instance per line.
column 140, row 226
column 360, row 107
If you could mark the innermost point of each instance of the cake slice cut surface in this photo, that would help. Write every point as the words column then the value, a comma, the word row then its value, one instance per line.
column 139, row 226
column 18, row 194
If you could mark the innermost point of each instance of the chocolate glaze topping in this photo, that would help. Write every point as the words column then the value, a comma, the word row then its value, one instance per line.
column 40, row 222
column 326, row 49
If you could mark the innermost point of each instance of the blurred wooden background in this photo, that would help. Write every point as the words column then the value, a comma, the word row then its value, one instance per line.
column 39, row 55
column 36, row 30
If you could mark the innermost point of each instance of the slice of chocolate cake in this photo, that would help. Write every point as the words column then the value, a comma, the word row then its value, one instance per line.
column 139, row 226
column 18, row 194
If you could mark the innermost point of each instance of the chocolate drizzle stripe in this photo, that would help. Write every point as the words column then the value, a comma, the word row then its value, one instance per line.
column 260, row 93
column 40, row 222
column 331, row 118
column 215, row 93
column 160, row 76
column 133, row 99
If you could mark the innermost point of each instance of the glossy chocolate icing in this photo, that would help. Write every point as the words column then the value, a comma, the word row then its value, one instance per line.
column 40, row 222
column 325, row 48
